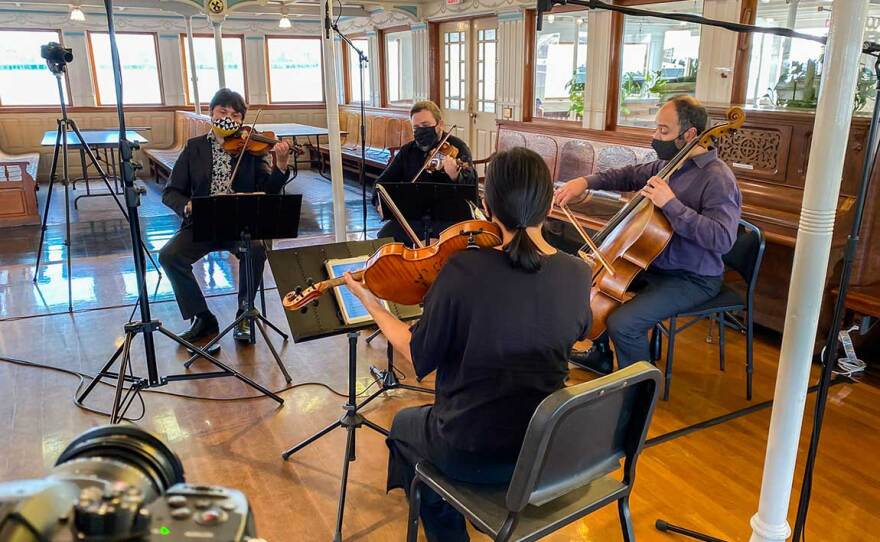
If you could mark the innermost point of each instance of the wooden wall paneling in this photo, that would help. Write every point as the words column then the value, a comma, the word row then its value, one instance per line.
column 528, row 86
column 748, row 13
column 434, row 58
column 717, row 53
column 383, row 70
column 614, row 59
column 256, row 76
column 172, row 68
column 511, row 49
column 80, row 85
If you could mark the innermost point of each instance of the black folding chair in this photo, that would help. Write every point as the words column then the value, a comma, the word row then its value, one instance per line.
column 575, row 439
column 745, row 258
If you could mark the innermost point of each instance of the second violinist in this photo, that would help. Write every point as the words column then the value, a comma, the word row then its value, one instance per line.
column 428, row 131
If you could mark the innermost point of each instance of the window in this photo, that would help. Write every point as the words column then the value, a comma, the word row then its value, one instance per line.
column 140, row 68
column 294, row 70
column 206, row 66
column 454, row 70
column 399, row 67
column 561, row 66
column 660, row 59
column 785, row 72
column 24, row 77
column 486, row 42
column 354, row 72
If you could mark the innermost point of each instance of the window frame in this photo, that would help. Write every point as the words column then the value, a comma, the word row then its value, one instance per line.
column 349, row 85
column 531, row 64
column 183, row 54
column 383, row 69
column 268, row 68
column 69, row 103
column 94, row 70
column 612, row 102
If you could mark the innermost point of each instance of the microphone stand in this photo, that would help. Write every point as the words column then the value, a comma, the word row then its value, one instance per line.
column 362, row 65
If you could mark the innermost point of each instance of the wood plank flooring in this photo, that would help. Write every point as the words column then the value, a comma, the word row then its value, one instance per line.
column 709, row 480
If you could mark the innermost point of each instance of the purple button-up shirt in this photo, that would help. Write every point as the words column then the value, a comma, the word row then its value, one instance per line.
column 704, row 213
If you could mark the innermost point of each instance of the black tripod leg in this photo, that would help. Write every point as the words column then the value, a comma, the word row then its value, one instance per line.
column 120, row 381
column 99, row 376
column 377, row 428
column 289, row 452
column 258, row 322
column 52, row 174
column 343, row 485
column 219, row 364
column 661, row 525
column 273, row 326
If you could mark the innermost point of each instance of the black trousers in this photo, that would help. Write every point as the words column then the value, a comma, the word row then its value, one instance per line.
column 412, row 440
column 662, row 294
column 181, row 252
column 396, row 231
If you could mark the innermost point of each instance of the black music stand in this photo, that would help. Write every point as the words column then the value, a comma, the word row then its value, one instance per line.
column 242, row 218
column 298, row 267
column 428, row 202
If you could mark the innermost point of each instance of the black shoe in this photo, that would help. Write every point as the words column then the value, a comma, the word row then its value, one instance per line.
column 242, row 331
column 598, row 359
column 203, row 327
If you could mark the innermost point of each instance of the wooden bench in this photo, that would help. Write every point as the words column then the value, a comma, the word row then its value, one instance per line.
column 18, row 198
column 386, row 132
column 186, row 126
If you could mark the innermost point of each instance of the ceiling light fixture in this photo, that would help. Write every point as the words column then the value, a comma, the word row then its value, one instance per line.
column 76, row 14
column 285, row 20
column 551, row 18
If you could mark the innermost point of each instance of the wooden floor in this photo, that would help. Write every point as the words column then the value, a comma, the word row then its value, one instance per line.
column 708, row 480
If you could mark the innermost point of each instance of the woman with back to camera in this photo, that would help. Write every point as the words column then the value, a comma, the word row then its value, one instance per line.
column 497, row 327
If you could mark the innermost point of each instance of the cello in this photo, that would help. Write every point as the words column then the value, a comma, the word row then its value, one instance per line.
column 638, row 234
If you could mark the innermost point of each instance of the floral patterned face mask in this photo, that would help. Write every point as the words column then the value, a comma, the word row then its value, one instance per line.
column 225, row 126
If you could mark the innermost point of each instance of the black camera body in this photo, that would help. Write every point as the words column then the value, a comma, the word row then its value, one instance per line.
column 56, row 56
column 117, row 483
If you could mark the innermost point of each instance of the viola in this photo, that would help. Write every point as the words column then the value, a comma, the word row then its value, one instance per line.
column 403, row 275
column 638, row 233
column 252, row 141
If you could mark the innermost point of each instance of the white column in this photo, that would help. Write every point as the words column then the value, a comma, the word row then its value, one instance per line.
column 420, row 61
column 830, row 136
column 375, row 93
column 79, row 73
column 331, row 101
column 598, row 63
column 510, row 49
column 192, row 66
column 717, row 53
column 218, row 48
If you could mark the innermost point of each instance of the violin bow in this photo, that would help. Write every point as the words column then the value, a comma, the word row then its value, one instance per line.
column 587, row 239
column 246, row 139
column 433, row 153
column 399, row 216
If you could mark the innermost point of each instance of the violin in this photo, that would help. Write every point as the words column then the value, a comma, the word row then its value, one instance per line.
column 637, row 234
column 400, row 274
column 257, row 143
column 445, row 149
column 435, row 158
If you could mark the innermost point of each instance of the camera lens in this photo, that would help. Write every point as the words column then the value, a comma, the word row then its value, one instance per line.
column 121, row 453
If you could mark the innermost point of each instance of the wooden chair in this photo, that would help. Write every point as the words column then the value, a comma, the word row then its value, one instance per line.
column 18, row 198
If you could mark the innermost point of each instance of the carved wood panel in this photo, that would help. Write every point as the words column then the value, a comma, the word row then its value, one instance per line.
column 756, row 148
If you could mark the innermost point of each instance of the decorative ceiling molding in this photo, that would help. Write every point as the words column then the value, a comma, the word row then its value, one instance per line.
column 439, row 9
column 378, row 19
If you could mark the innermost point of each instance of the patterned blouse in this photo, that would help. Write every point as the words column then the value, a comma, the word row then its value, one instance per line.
column 221, row 171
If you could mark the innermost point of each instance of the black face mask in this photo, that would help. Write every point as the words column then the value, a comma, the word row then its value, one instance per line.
column 425, row 136
column 666, row 150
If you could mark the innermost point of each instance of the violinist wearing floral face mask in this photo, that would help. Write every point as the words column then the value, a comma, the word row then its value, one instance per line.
column 428, row 132
column 204, row 168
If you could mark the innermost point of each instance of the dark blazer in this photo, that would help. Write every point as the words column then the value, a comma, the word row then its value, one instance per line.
column 191, row 175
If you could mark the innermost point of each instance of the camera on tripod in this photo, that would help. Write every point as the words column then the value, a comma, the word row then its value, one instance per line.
column 116, row 483
column 56, row 56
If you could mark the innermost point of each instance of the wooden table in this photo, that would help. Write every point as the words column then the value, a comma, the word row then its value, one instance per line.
column 100, row 142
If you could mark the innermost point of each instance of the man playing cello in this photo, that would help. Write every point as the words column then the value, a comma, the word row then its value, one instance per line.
column 702, row 203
